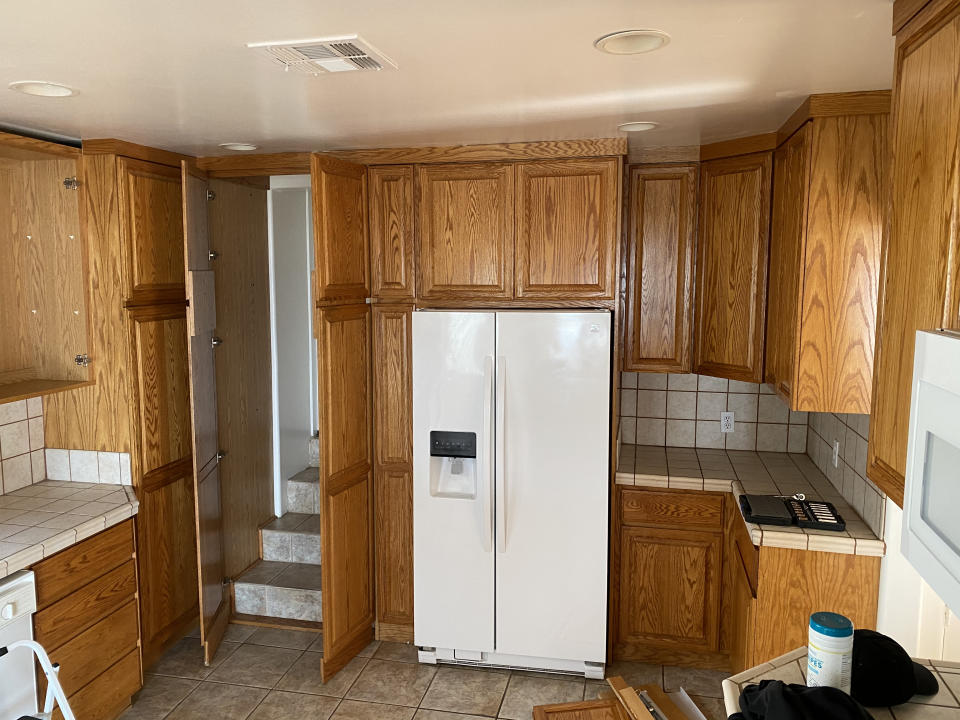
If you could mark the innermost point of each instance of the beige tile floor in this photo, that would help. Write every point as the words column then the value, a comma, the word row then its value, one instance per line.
column 266, row 674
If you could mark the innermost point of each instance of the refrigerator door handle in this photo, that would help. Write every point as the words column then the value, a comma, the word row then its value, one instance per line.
column 501, row 497
column 486, row 459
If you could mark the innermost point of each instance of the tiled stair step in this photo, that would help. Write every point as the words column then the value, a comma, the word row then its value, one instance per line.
column 303, row 492
column 295, row 537
column 279, row 590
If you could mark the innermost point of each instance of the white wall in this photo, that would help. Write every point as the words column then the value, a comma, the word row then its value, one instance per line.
column 294, row 349
column 910, row 611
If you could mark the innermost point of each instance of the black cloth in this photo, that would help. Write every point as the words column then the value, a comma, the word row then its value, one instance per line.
column 883, row 674
column 775, row 700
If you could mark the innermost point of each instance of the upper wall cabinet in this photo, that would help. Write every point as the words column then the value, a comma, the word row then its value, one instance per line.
column 660, row 249
column 340, row 229
column 828, row 199
column 44, row 339
column 920, row 265
column 732, row 266
column 151, row 223
column 391, row 231
column 566, row 220
column 466, row 230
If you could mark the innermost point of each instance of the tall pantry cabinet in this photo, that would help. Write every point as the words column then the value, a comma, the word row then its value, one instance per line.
column 920, row 265
column 140, row 403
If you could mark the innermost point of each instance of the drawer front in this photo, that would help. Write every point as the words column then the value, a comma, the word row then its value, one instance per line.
column 71, row 569
column 109, row 694
column 67, row 618
column 693, row 509
column 93, row 651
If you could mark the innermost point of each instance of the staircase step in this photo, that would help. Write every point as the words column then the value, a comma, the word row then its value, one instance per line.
column 294, row 537
column 279, row 590
column 303, row 492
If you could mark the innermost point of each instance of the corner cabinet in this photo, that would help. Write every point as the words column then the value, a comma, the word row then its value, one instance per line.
column 44, row 327
column 829, row 190
column 566, row 225
column 465, row 217
column 732, row 266
column 661, row 239
column 920, row 266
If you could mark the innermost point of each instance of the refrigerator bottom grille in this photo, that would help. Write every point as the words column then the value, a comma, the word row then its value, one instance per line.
column 449, row 656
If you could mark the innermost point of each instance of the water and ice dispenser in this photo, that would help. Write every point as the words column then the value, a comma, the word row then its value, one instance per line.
column 453, row 464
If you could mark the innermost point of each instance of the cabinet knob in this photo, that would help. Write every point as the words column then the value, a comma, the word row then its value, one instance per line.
column 7, row 612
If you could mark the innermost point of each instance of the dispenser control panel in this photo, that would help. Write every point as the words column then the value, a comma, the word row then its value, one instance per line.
column 447, row 443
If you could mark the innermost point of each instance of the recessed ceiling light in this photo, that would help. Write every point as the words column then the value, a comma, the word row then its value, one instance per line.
column 42, row 88
column 632, row 42
column 637, row 126
column 241, row 146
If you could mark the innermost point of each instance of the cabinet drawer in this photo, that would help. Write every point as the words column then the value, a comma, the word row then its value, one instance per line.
column 105, row 697
column 71, row 569
column 68, row 617
column 695, row 509
column 94, row 650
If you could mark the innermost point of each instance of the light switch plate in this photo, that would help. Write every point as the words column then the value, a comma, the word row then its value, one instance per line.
column 726, row 422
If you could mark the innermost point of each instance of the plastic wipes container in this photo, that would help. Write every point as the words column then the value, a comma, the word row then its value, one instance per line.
column 830, row 651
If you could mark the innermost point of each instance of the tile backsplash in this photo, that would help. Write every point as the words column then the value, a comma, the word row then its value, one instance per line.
column 684, row 411
column 112, row 468
column 849, row 477
column 21, row 444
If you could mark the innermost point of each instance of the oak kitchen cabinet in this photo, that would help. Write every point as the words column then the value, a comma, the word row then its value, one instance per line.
column 829, row 191
column 732, row 248
column 465, row 220
column 567, row 228
column 44, row 326
column 87, row 620
column 391, row 232
column 661, row 240
column 691, row 588
column 670, row 558
column 920, row 265
column 538, row 230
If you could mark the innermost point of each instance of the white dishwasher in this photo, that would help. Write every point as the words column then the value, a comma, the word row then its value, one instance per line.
column 18, row 684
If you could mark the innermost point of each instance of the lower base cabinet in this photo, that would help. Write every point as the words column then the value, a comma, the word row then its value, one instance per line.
column 87, row 619
column 694, row 590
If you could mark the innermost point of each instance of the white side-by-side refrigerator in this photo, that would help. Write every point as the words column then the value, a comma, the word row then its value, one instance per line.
column 511, row 446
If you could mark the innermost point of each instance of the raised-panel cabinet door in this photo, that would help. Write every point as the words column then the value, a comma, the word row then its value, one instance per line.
column 465, row 229
column 787, row 233
column 660, row 251
column 732, row 266
column 340, row 228
column 391, row 231
column 346, row 489
column 669, row 589
column 393, row 471
column 202, row 325
column 567, row 219
column 921, row 260
column 166, row 531
column 151, row 228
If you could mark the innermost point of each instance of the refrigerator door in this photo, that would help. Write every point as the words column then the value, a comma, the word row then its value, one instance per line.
column 453, row 559
column 553, row 416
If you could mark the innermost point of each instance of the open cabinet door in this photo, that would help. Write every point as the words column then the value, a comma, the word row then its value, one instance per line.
column 344, row 354
column 201, row 325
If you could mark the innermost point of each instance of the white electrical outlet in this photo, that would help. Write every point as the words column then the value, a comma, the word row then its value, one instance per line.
column 726, row 422
column 836, row 452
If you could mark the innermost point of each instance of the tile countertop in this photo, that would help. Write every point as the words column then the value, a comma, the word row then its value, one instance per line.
column 762, row 473
column 792, row 668
column 42, row 519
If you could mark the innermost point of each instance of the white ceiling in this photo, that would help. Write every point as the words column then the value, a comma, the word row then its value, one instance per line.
column 177, row 74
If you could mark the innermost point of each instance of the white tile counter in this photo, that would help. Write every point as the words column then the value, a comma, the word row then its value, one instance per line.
column 792, row 668
column 42, row 519
column 761, row 473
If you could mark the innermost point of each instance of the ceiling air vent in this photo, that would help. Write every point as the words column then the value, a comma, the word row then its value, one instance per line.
column 325, row 55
